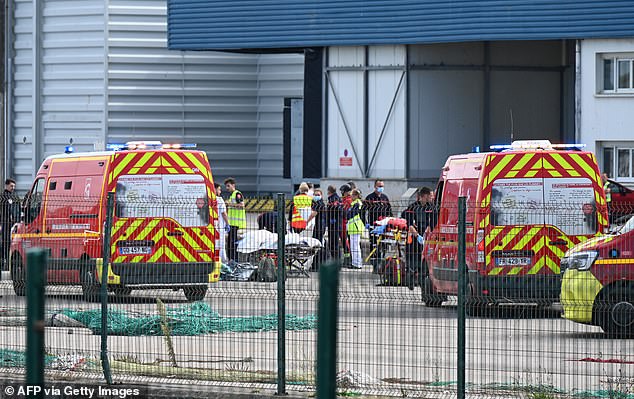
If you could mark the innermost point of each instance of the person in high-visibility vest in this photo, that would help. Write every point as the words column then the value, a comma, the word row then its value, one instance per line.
column 237, row 218
column 301, row 209
column 355, row 228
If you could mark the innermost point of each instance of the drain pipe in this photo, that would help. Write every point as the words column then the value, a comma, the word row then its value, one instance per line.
column 577, row 91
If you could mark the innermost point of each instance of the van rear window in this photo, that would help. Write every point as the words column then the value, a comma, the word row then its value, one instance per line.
column 565, row 203
column 179, row 197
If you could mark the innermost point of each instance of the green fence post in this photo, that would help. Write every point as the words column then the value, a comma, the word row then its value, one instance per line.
column 105, row 362
column 281, row 296
column 35, row 285
column 327, row 314
column 462, row 291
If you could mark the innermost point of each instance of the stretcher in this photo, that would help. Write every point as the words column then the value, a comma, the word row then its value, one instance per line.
column 298, row 250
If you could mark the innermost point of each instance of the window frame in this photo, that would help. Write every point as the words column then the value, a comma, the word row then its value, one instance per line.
column 613, row 169
column 616, row 59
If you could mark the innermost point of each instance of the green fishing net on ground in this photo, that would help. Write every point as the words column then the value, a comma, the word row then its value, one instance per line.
column 193, row 319
column 13, row 358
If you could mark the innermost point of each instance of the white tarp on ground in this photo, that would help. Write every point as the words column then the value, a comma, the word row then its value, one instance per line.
column 265, row 240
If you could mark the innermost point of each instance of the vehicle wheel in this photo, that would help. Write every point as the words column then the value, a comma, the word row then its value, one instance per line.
column 17, row 275
column 195, row 293
column 429, row 297
column 618, row 317
column 89, row 286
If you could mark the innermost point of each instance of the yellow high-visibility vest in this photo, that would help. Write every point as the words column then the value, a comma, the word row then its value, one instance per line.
column 355, row 224
column 237, row 216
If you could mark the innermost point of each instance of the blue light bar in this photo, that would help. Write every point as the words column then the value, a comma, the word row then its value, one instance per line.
column 69, row 149
column 148, row 145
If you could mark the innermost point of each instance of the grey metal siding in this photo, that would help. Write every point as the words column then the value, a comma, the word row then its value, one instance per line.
column 61, row 98
column 243, row 24
column 99, row 71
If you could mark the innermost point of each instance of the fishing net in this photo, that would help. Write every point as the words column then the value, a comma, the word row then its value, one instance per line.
column 193, row 319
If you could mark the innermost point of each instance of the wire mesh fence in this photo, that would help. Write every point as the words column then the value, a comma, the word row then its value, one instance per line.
column 181, row 309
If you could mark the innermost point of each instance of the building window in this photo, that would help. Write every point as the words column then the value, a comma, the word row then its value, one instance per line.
column 617, row 73
column 618, row 162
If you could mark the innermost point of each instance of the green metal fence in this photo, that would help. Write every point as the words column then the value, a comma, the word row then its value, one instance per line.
column 470, row 314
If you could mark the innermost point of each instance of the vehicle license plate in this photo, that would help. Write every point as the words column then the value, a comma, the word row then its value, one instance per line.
column 135, row 250
column 521, row 261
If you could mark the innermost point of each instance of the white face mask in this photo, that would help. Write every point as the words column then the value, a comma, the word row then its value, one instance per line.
column 380, row 189
column 317, row 197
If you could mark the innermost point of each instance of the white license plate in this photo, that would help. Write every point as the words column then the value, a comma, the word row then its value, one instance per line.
column 521, row 261
column 135, row 250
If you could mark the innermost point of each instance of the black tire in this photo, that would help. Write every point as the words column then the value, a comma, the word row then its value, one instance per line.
column 17, row 275
column 89, row 286
column 617, row 319
column 195, row 292
column 430, row 298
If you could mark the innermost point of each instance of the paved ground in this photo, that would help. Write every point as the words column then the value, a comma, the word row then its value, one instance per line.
column 388, row 342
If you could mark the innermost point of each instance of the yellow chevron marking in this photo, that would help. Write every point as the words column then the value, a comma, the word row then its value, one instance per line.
column 495, row 271
column 552, row 265
column 137, row 259
column 176, row 158
column 590, row 172
column 564, row 164
column 157, row 162
column 124, row 163
column 179, row 246
column 526, row 238
column 554, row 173
column 498, row 168
column 141, row 162
column 190, row 241
column 531, row 173
column 538, row 246
column 151, row 171
column 171, row 255
column 147, row 229
column 538, row 266
column 510, row 236
column 493, row 173
column 206, row 241
column 157, row 255
column 172, row 171
column 205, row 257
column 200, row 166
column 515, row 271
column 524, row 159
column 135, row 225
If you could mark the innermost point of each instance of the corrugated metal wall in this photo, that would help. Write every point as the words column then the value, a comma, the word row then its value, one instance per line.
column 57, row 86
column 220, row 24
column 229, row 104
column 105, row 75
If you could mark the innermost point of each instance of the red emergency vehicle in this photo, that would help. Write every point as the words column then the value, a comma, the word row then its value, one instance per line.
column 527, row 204
column 163, row 232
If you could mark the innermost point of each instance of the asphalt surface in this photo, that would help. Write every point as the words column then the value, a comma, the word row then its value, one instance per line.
column 388, row 343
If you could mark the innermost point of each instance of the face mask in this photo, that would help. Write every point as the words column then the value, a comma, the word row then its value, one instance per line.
column 317, row 197
column 380, row 189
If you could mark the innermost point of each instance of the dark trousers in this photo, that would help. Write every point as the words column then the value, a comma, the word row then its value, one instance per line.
column 334, row 241
column 232, row 244
column 5, row 244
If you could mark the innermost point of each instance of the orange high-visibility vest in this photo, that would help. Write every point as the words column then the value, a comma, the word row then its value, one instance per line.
column 300, row 202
